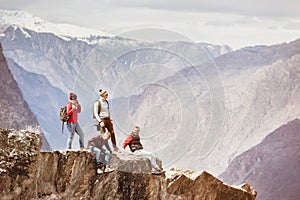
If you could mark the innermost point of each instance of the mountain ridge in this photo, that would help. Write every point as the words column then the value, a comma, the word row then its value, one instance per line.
column 38, row 99
column 259, row 55
column 15, row 112
column 269, row 164
column 23, row 19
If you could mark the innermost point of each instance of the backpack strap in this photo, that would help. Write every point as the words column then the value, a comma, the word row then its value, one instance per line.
column 99, row 106
column 62, row 128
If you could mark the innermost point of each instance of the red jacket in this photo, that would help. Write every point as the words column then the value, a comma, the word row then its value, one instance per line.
column 134, row 142
column 127, row 141
column 73, row 112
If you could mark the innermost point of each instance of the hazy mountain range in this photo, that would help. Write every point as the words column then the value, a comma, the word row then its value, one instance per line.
column 71, row 64
column 199, row 105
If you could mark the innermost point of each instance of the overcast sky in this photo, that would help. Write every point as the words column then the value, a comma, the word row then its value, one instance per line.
column 238, row 23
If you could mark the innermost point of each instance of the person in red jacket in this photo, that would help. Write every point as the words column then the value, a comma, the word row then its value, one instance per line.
column 73, row 108
column 136, row 147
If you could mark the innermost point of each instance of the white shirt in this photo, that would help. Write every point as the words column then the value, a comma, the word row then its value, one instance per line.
column 104, row 112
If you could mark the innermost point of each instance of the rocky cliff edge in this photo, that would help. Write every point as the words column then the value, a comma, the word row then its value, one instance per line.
column 27, row 173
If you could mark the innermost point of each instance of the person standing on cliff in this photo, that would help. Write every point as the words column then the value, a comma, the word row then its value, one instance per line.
column 96, row 144
column 73, row 108
column 136, row 147
column 102, row 114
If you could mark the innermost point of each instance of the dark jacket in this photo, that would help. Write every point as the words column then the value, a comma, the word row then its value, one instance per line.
column 134, row 142
column 98, row 141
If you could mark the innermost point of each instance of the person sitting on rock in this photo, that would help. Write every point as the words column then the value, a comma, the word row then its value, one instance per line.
column 96, row 144
column 133, row 140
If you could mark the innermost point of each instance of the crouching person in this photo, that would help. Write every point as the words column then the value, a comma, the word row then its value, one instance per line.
column 96, row 144
column 133, row 140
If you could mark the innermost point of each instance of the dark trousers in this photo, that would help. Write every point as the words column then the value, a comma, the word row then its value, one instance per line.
column 109, row 126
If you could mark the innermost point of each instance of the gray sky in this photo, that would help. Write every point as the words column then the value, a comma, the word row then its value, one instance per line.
column 238, row 23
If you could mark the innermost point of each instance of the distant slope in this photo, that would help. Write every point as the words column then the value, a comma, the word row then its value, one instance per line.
column 271, row 167
column 43, row 99
column 183, row 111
column 15, row 112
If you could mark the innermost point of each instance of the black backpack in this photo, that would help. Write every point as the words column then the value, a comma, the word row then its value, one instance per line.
column 64, row 117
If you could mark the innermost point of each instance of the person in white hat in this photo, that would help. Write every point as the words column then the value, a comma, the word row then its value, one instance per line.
column 102, row 114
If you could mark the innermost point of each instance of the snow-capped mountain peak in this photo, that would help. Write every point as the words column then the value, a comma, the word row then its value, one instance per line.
column 23, row 19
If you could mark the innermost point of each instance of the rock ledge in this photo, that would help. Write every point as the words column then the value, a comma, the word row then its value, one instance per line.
column 28, row 173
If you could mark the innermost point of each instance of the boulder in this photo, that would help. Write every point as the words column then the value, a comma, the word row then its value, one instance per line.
column 128, row 162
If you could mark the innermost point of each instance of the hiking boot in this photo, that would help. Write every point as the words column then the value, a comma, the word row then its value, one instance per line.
column 100, row 168
column 158, row 172
column 99, row 171
column 108, row 169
